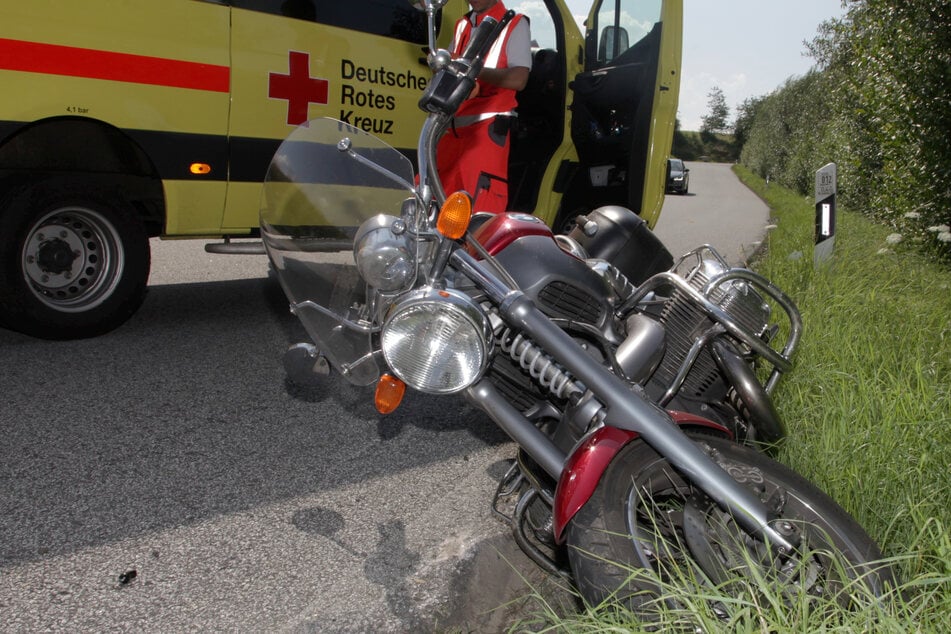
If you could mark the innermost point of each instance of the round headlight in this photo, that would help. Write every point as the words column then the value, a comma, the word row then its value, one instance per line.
column 383, row 253
column 437, row 341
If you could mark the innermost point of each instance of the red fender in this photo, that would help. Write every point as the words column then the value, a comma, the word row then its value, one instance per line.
column 585, row 466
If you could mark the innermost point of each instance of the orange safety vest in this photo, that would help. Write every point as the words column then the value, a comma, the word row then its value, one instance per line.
column 490, row 100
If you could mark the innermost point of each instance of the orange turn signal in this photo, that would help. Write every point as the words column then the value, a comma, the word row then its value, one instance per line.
column 389, row 394
column 454, row 216
column 199, row 168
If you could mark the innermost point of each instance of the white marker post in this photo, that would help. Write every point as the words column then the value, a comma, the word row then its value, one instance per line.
column 826, row 188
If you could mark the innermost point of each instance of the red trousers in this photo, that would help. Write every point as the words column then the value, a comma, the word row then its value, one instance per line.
column 474, row 159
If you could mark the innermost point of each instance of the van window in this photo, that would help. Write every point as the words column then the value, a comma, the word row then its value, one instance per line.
column 544, row 32
column 622, row 24
column 388, row 18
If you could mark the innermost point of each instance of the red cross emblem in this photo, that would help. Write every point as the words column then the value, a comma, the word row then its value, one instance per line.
column 297, row 87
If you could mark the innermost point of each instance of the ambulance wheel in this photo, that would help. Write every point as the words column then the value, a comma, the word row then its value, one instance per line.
column 565, row 221
column 74, row 259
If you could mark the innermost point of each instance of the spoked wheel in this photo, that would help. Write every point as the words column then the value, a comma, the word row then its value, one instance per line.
column 645, row 517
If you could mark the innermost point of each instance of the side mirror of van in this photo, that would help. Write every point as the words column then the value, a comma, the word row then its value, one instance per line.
column 614, row 41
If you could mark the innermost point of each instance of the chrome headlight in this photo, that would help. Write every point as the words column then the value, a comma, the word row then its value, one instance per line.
column 437, row 341
column 384, row 253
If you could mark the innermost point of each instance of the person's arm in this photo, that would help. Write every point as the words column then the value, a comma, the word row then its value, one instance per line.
column 514, row 78
column 519, row 53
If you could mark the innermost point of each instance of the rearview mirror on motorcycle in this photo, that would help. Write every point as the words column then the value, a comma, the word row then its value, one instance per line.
column 430, row 7
column 425, row 5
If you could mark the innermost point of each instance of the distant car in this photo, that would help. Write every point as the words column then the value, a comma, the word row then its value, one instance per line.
column 678, row 176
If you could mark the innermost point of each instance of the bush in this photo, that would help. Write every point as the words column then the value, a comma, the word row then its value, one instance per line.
column 706, row 146
column 879, row 108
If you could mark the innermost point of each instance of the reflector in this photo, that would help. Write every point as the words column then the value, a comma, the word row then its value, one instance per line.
column 389, row 394
column 454, row 216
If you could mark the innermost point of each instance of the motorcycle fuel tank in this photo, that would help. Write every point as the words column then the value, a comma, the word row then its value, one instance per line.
column 560, row 284
column 502, row 229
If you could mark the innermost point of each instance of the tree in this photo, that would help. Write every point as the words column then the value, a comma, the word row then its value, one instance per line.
column 877, row 106
column 716, row 121
column 745, row 116
column 888, row 68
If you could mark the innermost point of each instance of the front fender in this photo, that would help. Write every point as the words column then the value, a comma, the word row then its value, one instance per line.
column 586, row 464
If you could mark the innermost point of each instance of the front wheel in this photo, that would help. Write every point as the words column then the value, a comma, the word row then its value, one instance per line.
column 645, row 517
column 74, row 259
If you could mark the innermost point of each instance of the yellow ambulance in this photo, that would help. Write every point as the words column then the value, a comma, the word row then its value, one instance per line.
column 122, row 120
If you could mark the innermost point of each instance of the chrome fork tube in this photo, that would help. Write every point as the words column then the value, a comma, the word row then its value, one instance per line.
column 625, row 409
column 536, row 444
column 432, row 131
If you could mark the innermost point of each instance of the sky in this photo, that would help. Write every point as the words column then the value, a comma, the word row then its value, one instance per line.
column 748, row 48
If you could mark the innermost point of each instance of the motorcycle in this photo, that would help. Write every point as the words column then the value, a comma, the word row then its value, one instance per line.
column 629, row 382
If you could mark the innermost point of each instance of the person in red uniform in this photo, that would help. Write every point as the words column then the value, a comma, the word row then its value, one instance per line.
column 473, row 154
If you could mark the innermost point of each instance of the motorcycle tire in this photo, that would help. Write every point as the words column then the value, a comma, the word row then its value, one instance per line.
column 75, row 259
column 645, row 517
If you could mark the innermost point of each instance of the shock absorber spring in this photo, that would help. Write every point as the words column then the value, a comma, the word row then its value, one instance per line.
column 539, row 365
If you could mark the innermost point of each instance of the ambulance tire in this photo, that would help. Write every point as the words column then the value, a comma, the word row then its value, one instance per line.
column 565, row 221
column 74, row 258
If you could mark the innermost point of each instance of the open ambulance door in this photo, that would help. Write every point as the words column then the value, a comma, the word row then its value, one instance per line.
column 624, row 105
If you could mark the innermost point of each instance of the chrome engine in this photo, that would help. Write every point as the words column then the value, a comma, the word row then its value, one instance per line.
column 695, row 333
column 714, row 321
column 687, row 322
column 718, row 328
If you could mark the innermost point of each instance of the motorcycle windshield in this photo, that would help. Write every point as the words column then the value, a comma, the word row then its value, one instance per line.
column 320, row 187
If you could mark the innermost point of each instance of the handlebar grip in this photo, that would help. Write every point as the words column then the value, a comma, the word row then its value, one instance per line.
column 453, row 84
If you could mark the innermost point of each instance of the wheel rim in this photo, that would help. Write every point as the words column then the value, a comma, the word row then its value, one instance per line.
column 72, row 259
column 675, row 528
column 655, row 520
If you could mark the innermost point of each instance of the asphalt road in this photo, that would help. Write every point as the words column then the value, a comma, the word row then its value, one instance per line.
column 718, row 211
column 167, row 478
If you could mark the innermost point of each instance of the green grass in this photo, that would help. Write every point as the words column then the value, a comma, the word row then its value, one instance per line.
column 868, row 411
column 869, row 403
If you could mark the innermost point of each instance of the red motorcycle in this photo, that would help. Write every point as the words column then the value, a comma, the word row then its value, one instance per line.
column 629, row 382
